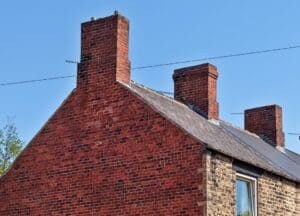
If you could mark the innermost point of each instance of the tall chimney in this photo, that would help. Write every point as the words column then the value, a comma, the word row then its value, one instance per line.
column 266, row 122
column 197, row 86
column 104, row 52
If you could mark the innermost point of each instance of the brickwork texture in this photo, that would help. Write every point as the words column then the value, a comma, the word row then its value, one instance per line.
column 104, row 151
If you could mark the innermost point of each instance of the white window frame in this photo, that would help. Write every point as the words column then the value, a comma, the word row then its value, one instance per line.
column 253, row 183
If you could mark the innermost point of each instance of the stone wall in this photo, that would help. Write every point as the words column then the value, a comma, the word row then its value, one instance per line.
column 276, row 195
column 220, row 185
column 298, row 200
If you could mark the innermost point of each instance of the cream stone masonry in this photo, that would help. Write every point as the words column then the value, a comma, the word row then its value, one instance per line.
column 276, row 196
column 298, row 199
column 220, row 185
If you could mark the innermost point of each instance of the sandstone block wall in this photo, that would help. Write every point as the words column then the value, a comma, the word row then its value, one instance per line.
column 276, row 195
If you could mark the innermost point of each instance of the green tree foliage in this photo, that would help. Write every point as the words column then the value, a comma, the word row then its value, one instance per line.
column 10, row 146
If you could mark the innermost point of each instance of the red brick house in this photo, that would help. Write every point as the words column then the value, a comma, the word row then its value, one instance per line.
column 115, row 147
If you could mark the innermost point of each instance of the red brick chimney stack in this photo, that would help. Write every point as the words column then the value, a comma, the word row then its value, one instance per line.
column 266, row 122
column 197, row 86
column 104, row 52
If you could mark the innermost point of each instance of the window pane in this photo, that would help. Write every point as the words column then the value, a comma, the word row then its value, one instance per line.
column 244, row 198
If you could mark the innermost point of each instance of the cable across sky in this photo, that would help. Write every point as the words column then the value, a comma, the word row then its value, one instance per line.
column 36, row 80
column 2, row 84
column 220, row 57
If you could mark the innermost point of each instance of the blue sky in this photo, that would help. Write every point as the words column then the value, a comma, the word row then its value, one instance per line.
column 37, row 36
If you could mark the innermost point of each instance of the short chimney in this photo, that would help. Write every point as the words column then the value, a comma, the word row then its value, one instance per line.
column 196, row 86
column 104, row 52
column 266, row 122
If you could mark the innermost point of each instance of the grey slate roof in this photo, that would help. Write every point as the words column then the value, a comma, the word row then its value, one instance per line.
column 292, row 155
column 221, row 136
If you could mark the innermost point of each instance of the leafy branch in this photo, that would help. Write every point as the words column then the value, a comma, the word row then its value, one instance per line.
column 10, row 146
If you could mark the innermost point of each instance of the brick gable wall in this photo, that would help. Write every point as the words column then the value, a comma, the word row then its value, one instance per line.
column 105, row 152
column 111, row 155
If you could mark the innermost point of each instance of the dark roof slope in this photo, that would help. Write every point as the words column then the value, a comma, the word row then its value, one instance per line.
column 292, row 155
column 278, row 156
column 221, row 136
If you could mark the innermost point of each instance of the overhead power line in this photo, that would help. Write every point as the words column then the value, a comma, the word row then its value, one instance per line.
column 56, row 78
column 160, row 65
column 209, row 58
column 60, row 77
column 35, row 80
column 219, row 57
column 295, row 134
column 72, row 62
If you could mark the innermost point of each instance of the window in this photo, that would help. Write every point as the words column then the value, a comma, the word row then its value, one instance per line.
column 246, row 199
